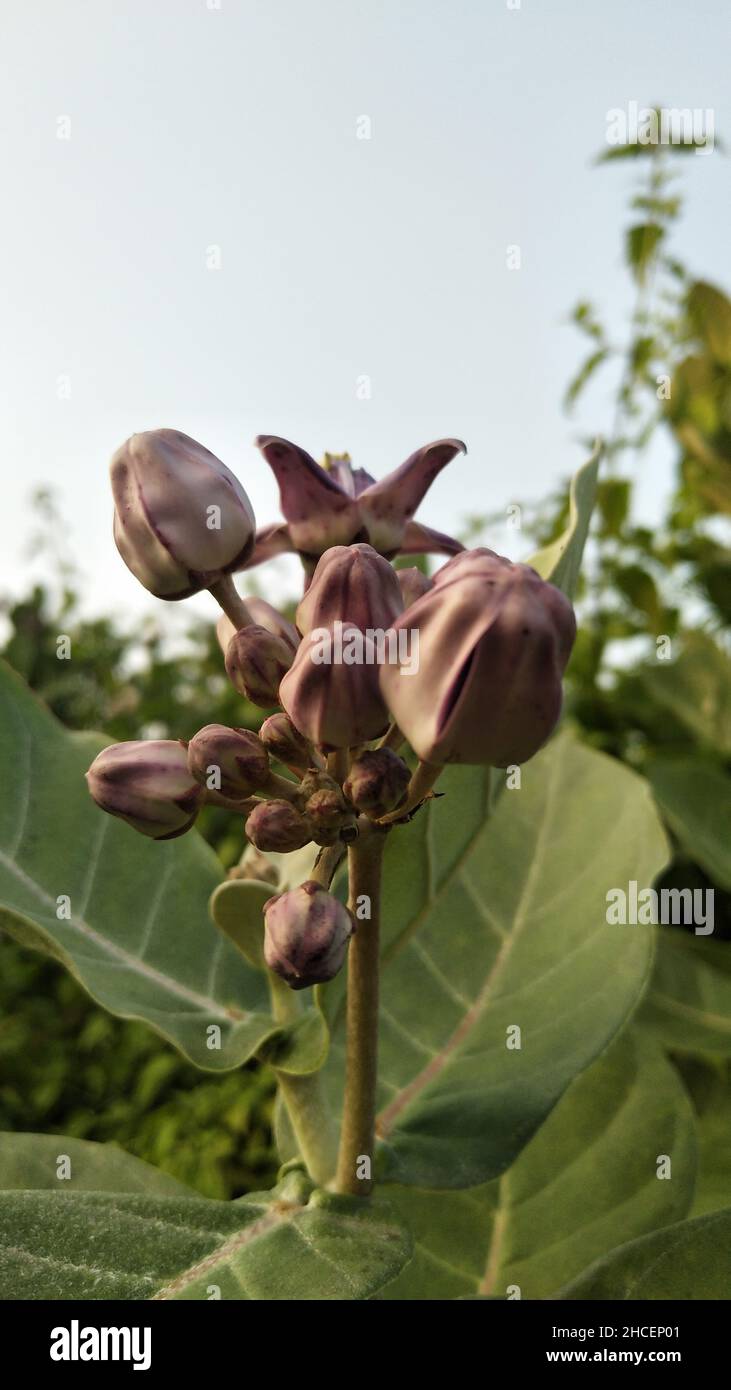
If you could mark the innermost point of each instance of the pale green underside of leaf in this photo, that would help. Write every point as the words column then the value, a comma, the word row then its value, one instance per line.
column 139, row 939
column 495, row 923
column 688, row 1005
column 713, row 1185
column 72, row 1242
column 586, row 1182
column 695, row 799
column 561, row 560
column 691, row 1260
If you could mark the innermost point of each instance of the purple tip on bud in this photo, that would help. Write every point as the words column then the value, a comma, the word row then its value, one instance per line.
column 277, row 827
column 233, row 762
column 306, row 935
column 256, row 661
column 147, row 784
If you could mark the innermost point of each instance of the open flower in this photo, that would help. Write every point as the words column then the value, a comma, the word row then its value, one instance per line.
column 338, row 505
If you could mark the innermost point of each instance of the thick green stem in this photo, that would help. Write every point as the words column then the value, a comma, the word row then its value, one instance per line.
column 304, row 1097
column 357, row 1137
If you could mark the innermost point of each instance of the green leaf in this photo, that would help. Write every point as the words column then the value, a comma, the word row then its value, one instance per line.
column 139, row 938
column 710, row 313
column 493, row 922
column 691, row 1260
column 695, row 689
column 560, row 561
column 688, row 1005
column 291, row 1243
column 613, row 498
column 236, row 907
column 713, row 1186
column 641, row 245
column 32, row 1161
column 640, row 589
column 588, row 1174
column 586, row 371
column 695, row 799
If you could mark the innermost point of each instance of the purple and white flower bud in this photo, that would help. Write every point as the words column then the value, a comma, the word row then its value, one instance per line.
column 335, row 701
column 494, row 641
column 354, row 585
column 147, row 784
column 413, row 583
column 324, row 806
column 256, row 661
column 277, row 827
column 231, row 761
column 285, row 743
column 306, row 935
column 377, row 781
column 181, row 519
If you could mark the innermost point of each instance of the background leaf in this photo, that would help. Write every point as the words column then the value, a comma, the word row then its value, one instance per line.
column 560, row 561
column 31, row 1161
column 688, row 1005
column 587, row 1179
column 139, row 939
column 695, row 800
column 691, row 1260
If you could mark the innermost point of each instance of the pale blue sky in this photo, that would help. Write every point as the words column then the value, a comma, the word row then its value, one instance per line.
column 236, row 127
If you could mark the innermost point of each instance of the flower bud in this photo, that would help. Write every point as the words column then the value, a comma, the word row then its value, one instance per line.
column 324, row 806
column 147, row 783
column 231, row 761
column 377, row 781
column 277, row 827
column 306, row 935
column 285, row 743
column 256, row 661
column 181, row 520
column 331, row 692
column 494, row 641
column 413, row 583
column 354, row 585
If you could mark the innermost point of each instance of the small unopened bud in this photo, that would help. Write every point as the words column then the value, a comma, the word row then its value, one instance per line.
column 256, row 661
column 277, row 827
column 231, row 761
column 285, row 743
column 413, row 583
column 377, row 781
column 147, row 784
column 306, row 935
column 255, row 865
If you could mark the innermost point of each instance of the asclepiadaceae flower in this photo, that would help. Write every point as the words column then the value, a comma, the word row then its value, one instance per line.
column 182, row 520
column 335, row 702
column 231, row 761
column 334, row 506
column 494, row 641
column 147, row 783
column 256, row 661
column 277, row 827
column 353, row 585
column 377, row 781
column 306, row 935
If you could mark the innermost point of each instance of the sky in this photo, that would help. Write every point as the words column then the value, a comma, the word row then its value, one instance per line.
column 196, row 235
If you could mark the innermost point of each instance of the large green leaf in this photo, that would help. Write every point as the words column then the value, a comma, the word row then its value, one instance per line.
column 291, row 1243
column 139, row 936
column 561, row 560
column 695, row 799
column 695, row 690
column 495, row 922
column 713, row 1185
column 588, row 1179
column 688, row 1005
column 691, row 1260
column 35, row 1160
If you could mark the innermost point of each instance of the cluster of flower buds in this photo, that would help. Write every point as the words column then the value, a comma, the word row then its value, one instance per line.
column 465, row 666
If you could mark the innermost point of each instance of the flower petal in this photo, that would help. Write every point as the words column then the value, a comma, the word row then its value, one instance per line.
column 386, row 506
column 319, row 512
column 422, row 540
